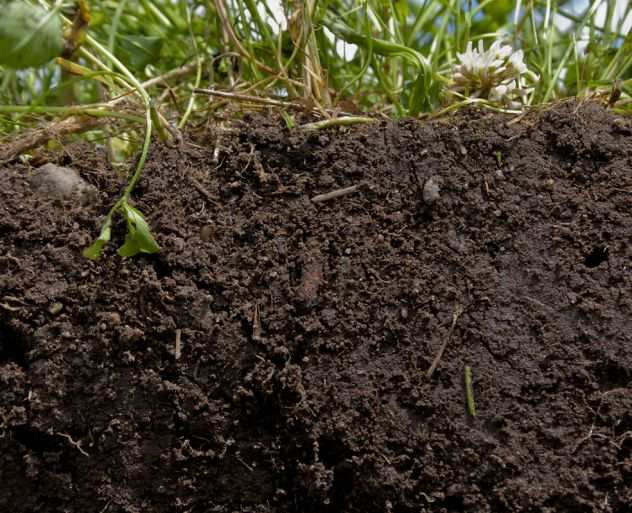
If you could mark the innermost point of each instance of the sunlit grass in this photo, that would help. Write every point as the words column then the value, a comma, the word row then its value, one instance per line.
column 399, row 55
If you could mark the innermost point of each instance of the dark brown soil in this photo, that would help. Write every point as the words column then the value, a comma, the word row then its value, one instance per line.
column 307, row 329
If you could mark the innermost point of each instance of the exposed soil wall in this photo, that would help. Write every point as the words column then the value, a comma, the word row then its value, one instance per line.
column 306, row 330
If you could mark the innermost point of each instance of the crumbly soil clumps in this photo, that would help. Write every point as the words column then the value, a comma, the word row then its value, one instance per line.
column 275, row 356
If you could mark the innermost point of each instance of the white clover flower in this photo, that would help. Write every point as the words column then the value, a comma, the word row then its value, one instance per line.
column 515, row 59
column 498, row 74
column 498, row 92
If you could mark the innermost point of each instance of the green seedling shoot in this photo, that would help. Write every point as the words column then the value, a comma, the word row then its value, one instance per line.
column 138, row 238
column 290, row 122
column 469, row 392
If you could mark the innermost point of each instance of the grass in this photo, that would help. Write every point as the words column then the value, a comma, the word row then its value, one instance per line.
column 145, row 67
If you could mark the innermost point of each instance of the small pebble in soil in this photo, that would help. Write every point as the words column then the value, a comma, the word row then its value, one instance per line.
column 326, row 181
column 128, row 357
column 206, row 233
column 114, row 318
column 431, row 191
column 62, row 183
column 55, row 308
column 130, row 334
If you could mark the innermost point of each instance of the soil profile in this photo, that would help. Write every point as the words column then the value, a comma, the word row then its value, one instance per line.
column 287, row 352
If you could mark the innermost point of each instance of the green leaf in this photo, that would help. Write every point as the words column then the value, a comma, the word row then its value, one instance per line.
column 401, row 8
column 422, row 94
column 130, row 247
column 499, row 11
column 138, row 238
column 289, row 119
column 94, row 251
column 139, row 51
column 30, row 36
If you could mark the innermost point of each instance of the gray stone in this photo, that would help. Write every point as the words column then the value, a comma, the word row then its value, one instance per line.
column 431, row 191
column 62, row 183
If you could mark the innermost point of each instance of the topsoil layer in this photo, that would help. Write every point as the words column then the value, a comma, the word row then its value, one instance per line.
column 308, row 374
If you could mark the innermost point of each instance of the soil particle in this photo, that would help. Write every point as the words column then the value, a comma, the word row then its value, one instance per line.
column 305, row 330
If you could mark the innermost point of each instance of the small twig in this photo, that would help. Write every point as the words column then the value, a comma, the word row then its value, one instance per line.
column 174, row 73
column 15, row 300
column 469, row 392
column 584, row 439
column 247, row 98
column 458, row 310
column 178, row 349
column 10, row 308
column 77, row 445
column 256, row 324
column 200, row 188
column 335, row 194
column 240, row 460
column 623, row 438
column 427, row 497
column 54, row 130
column 106, row 507
column 536, row 302
column 344, row 121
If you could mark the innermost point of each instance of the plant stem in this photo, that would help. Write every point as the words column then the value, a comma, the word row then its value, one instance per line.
column 346, row 121
column 75, row 110
column 469, row 392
